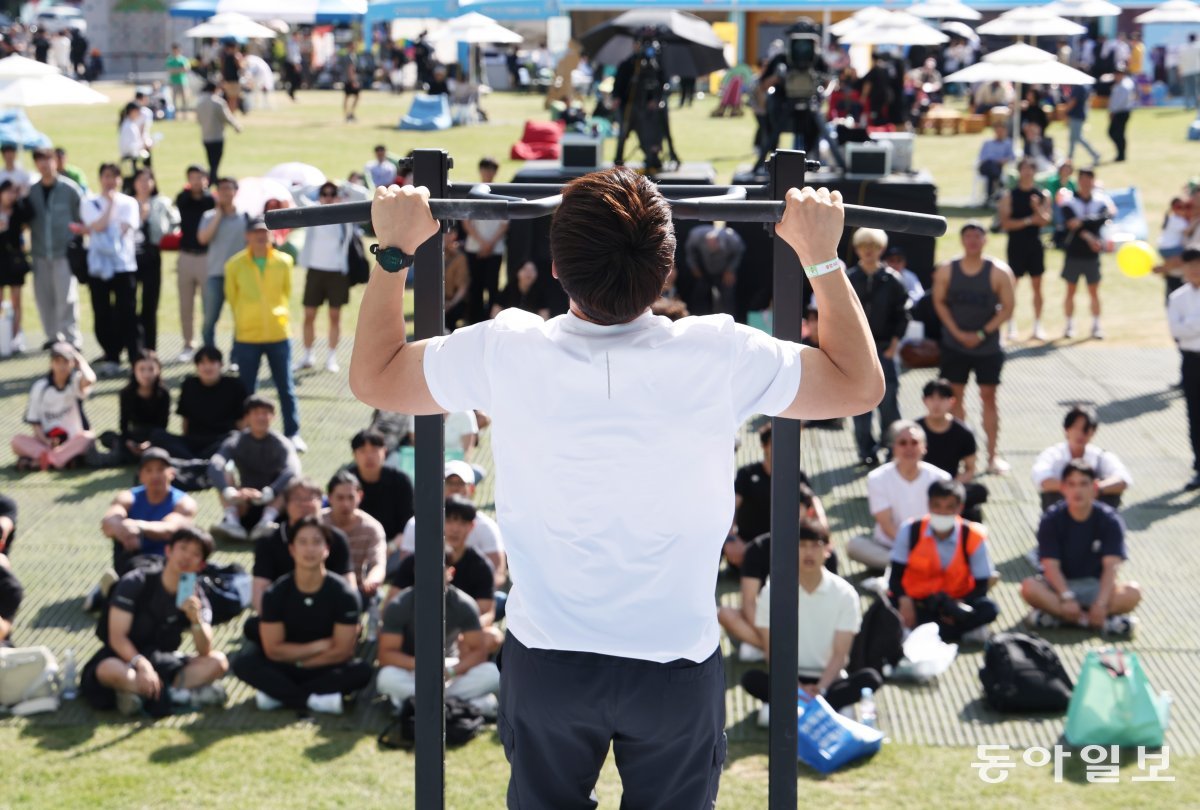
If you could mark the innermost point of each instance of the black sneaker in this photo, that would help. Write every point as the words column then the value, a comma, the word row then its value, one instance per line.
column 1193, row 485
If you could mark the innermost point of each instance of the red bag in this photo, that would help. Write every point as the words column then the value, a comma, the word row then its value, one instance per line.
column 540, row 141
column 170, row 241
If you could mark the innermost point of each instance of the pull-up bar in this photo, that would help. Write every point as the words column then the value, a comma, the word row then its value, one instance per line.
column 705, row 203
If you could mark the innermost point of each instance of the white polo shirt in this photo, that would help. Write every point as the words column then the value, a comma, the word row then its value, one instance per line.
column 832, row 608
column 484, row 538
column 614, row 467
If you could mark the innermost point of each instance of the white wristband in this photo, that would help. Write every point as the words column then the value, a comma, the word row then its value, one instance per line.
column 229, row 494
column 831, row 266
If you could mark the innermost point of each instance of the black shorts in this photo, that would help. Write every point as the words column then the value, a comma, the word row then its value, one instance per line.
column 352, row 91
column 326, row 285
column 168, row 665
column 957, row 367
column 1026, row 259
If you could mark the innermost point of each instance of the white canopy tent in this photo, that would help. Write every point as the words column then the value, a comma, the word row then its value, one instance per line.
column 230, row 24
column 1172, row 11
column 943, row 10
column 1084, row 8
column 842, row 27
column 897, row 28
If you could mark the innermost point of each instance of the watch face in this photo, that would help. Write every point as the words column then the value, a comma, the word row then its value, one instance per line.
column 393, row 259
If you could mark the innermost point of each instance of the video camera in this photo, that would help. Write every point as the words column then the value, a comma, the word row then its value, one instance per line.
column 804, row 76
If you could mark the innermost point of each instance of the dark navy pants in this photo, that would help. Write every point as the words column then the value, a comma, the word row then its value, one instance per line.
column 560, row 712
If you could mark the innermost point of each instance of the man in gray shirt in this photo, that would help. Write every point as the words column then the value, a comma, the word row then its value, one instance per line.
column 212, row 113
column 223, row 232
column 714, row 254
column 250, row 470
column 1121, row 101
column 54, row 202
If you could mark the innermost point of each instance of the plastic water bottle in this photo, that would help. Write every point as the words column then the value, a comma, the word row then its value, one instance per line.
column 6, row 329
column 1165, row 701
column 69, row 677
column 373, row 619
column 866, row 707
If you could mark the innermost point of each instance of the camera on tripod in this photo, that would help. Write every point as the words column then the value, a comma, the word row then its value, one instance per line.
column 804, row 76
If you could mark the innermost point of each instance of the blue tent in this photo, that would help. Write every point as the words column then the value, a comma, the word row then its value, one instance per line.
column 15, row 128
column 428, row 113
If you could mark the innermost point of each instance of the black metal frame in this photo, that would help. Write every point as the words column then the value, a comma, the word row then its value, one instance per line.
column 509, row 201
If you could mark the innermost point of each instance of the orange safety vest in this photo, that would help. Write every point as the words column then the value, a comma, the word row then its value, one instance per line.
column 924, row 575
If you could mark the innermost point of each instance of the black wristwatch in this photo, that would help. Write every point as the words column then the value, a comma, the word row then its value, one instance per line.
column 392, row 259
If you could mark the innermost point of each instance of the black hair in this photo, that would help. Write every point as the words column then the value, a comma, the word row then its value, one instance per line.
column 1078, row 465
column 1190, row 255
column 314, row 522
column 368, row 436
column 972, row 225
column 343, row 477
column 807, row 496
column 109, row 167
column 1085, row 412
column 948, row 489
column 460, row 508
column 1090, row 172
column 255, row 401
column 811, row 530
column 941, row 387
column 190, row 534
column 207, row 352
column 195, row 168
column 764, row 435
column 303, row 482
column 488, row 163
column 227, row 179
column 145, row 354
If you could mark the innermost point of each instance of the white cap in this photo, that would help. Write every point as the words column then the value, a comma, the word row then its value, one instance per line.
column 462, row 469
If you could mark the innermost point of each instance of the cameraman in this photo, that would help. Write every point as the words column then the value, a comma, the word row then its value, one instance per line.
column 640, row 89
column 941, row 569
column 794, row 81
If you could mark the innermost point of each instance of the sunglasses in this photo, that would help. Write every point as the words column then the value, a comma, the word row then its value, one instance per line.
column 906, row 442
column 328, row 194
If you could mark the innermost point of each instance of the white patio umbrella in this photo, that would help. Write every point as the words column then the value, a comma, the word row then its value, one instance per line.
column 475, row 28
column 12, row 67
column 253, row 193
column 229, row 24
column 1020, row 54
column 960, row 29
column 50, row 90
column 842, row 27
column 1083, row 8
column 1172, row 11
column 943, row 10
column 1031, row 21
column 296, row 174
column 898, row 28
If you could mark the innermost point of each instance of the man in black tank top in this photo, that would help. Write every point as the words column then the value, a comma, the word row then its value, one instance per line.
column 1023, row 211
column 973, row 297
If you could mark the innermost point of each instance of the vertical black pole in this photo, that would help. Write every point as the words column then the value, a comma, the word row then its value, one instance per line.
column 787, row 171
column 430, row 169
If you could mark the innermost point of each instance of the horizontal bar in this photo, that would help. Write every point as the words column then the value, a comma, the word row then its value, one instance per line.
column 443, row 209
column 526, row 190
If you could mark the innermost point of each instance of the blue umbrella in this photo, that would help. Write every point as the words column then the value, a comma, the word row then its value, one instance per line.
column 15, row 128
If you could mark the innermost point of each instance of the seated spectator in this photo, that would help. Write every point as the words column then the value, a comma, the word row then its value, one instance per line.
column 141, row 521
column 309, row 629
column 829, row 619
column 250, row 469
column 473, row 572
column 470, row 675
column 941, row 569
column 60, row 430
column 382, row 170
column 896, row 492
column 397, row 428
column 897, row 261
column 139, row 664
column 1080, row 425
column 387, row 494
column 11, row 594
column 8, row 524
column 756, row 567
column 211, row 406
column 1081, row 543
column 992, row 94
column 461, row 435
column 994, row 155
column 273, row 554
column 485, row 534
column 1037, row 146
column 524, row 293
column 950, row 444
column 752, row 502
column 144, row 408
column 368, row 547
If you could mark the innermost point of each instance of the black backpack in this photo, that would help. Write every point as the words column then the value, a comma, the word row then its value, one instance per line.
column 1023, row 673
column 227, row 588
column 463, row 722
column 880, row 639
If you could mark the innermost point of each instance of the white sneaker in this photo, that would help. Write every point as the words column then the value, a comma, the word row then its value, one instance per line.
column 211, row 694
column 875, row 585
column 266, row 703
column 180, row 696
column 326, row 704
column 264, row 528
column 1069, row 332
column 1012, row 330
column 488, row 705
column 1097, row 331
column 298, row 443
column 1119, row 625
column 749, row 654
column 331, row 364
column 306, row 361
column 186, row 355
column 229, row 529
column 764, row 716
column 1038, row 332
column 18, row 343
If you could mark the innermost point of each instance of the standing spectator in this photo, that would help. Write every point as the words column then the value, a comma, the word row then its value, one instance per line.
column 1085, row 214
column 714, row 256
column 179, row 67
column 950, row 444
column 1183, row 316
column 158, row 218
column 351, row 88
column 456, row 281
column 309, row 628
column 897, row 261
column 111, row 219
column 387, row 493
column 192, row 266
column 213, row 115
column 885, row 301
column 14, row 265
column 326, row 255
column 54, row 204
column 231, row 75
column 258, row 286
column 485, row 253
column 60, row 430
column 133, row 142
column 1121, row 102
column 68, row 170
column 368, row 546
column 292, row 64
column 381, row 170
column 1171, row 240
column 79, row 51
column 222, row 232
column 13, row 171
column 139, row 665
column 973, row 297
column 1078, row 100
column 1189, row 71
column 1024, row 210
column 60, row 52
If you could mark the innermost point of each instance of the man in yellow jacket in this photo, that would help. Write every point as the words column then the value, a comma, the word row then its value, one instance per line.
column 258, row 284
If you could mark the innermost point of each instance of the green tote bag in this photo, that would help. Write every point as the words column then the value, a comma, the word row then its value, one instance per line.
column 1113, row 703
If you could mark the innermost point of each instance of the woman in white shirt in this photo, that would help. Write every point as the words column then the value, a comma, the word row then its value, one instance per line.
column 132, row 140
column 325, row 252
column 60, row 430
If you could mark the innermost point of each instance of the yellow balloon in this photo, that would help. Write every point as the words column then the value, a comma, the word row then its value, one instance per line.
column 1136, row 259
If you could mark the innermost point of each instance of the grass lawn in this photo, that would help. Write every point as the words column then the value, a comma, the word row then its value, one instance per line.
column 99, row 762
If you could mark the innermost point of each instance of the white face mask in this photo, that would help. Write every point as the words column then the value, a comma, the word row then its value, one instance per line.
column 941, row 524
